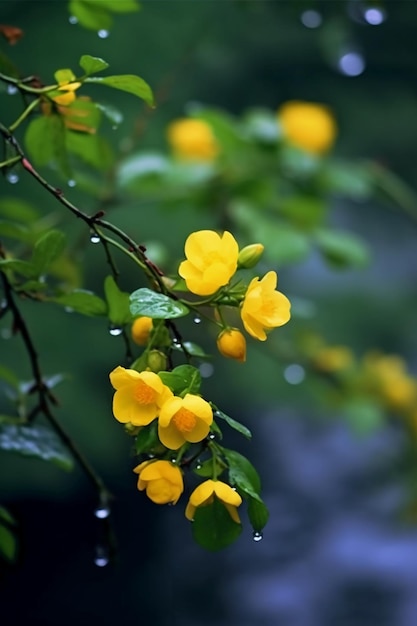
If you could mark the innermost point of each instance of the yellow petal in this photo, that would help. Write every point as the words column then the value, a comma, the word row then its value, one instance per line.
column 226, row 494
column 198, row 433
column 233, row 513
column 229, row 247
column 170, row 437
column 142, row 415
column 199, row 407
column 269, row 281
column 141, row 466
column 168, row 410
column 202, row 493
column 120, row 377
column 123, row 405
column 189, row 511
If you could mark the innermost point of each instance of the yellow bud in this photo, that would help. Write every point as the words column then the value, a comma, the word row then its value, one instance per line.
column 308, row 126
column 232, row 344
column 141, row 329
column 250, row 255
column 157, row 361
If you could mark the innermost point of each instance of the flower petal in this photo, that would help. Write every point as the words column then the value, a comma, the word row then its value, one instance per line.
column 170, row 437
column 123, row 405
column 232, row 512
column 199, row 432
column 226, row 494
column 199, row 407
column 202, row 493
column 121, row 376
column 168, row 410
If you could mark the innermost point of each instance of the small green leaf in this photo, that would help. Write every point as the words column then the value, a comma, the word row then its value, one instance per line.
column 45, row 142
column 258, row 514
column 6, row 516
column 234, row 424
column 83, row 116
column 147, row 302
column 182, row 378
column 118, row 303
column 213, row 528
column 92, row 65
column 126, row 82
column 18, row 210
column 117, row 6
column 342, row 249
column 92, row 149
column 8, row 544
column 192, row 349
column 84, row 302
column 21, row 267
column 206, row 469
column 14, row 231
column 90, row 15
column 242, row 473
column 64, row 76
column 147, row 438
column 35, row 441
column 48, row 248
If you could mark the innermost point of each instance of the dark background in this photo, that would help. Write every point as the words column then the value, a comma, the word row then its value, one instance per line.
column 335, row 550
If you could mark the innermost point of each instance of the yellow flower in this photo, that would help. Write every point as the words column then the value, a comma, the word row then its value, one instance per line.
column 192, row 140
column 139, row 396
column 232, row 344
column 67, row 85
column 204, row 494
column 211, row 261
column 308, row 126
column 141, row 329
column 161, row 479
column 184, row 419
column 388, row 376
column 333, row 358
column 264, row 308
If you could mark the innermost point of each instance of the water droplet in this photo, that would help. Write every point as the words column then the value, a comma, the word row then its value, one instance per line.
column 351, row 64
column 102, row 511
column 375, row 15
column 11, row 90
column 115, row 331
column 101, row 558
column 68, row 309
column 151, row 456
column 197, row 320
column 198, row 464
column 173, row 460
column 71, row 183
column 103, row 33
column 311, row 18
column 212, row 436
column 294, row 374
column 176, row 341
column 257, row 535
column 94, row 238
column 206, row 370
column 12, row 178
column 72, row 19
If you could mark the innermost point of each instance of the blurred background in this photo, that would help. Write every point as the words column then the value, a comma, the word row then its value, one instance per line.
column 337, row 549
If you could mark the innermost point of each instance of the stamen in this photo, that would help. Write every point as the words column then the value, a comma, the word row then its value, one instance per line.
column 144, row 394
column 184, row 420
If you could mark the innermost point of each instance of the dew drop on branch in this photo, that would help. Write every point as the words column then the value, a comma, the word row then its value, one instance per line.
column 94, row 238
column 257, row 536
column 101, row 558
column 102, row 512
column 114, row 330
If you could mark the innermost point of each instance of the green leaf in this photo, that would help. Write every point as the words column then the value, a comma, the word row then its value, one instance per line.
column 6, row 516
column 9, row 377
column 92, row 65
column 92, row 149
column 45, row 142
column 182, row 378
column 258, row 514
column 261, row 125
column 21, row 267
column 84, row 302
column 147, row 302
column 205, row 469
column 118, row 303
column 364, row 415
column 242, row 473
column 353, row 180
column 147, row 438
column 234, row 424
column 64, row 76
column 90, row 15
column 117, row 6
column 114, row 116
column 48, row 248
column 342, row 249
column 303, row 211
column 18, row 210
column 192, row 349
column 14, row 231
column 126, row 82
column 213, row 528
column 83, row 116
column 35, row 441
column 8, row 544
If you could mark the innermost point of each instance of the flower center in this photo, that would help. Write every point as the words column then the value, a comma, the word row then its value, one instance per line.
column 144, row 394
column 184, row 420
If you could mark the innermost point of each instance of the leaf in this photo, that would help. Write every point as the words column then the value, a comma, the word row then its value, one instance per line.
column 234, row 424
column 242, row 473
column 18, row 210
column 47, row 248
column 10, row 377
column 35, row 441
column 205, row 469
column 92, row 149
column 147, row 302
column 364, row 415
column 192, row 349
column 8, row 544
column 126, row 82
column 90, row 15
column 14, row 231
column 182, row 378
column 117, row 6
column 84, row 302
column 261, row 125
column 147, row 438
column 213, row 528
column 258, row 514
column 342, row 249
column 45, row 142
column 21, row 267
column 82, row 115
column 92, row 65
column 114, row 116
column 6, row 516
column 118, row 303
column 64, row 76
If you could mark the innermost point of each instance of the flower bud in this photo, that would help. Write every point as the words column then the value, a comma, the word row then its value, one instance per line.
column 250, row 255
column 141, row 329
column 157, row 361
column 232, row 344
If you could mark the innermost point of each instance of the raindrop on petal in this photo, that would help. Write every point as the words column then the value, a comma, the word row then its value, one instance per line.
column 115, row 331
column 257, row 535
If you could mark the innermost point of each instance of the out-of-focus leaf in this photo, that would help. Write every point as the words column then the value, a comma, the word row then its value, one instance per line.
column 144, row 301
column 126, row 82
column 118, row 303
column 18, row 210
column 114, row 116
column 84, row 302
column 117, row 6
column 353, row 180
column 137, row 166
column 90, row 14
column 92, row 149
column 45, row 142
column 48, row 248
column 8, row 544
column 35, row 441
column 21, row 267
column 82, row 115
column 14, row 231
column 303, row 211
column 342, row 249
column 262, row 126
column 364, row 415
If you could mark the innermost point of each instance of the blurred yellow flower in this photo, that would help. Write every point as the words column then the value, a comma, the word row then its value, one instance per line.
column 263, row 307
column 184, row 419
column 333, row 358
column 204, row 494
column 231, row 343
column 139, row 396
column 67, row 85
column 211, row 261
column 388, row 376
column 141, row 329
column 308, row 126
column 162, row 480
column 192, row 140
